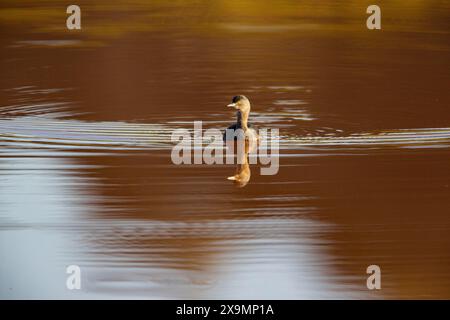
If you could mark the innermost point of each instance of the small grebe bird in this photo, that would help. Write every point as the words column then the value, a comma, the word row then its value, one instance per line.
column 242, row 105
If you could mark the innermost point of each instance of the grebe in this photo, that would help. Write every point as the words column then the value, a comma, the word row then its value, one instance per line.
column 242, row 105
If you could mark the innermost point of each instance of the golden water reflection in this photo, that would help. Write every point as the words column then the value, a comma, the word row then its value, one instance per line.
column 86, row 176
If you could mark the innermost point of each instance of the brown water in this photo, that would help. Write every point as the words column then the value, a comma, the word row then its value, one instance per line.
column 86, row 176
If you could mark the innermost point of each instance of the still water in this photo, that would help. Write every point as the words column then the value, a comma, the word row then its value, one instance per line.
column 86, row 176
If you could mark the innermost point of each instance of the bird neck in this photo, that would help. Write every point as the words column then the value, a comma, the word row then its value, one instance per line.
column 242, row 119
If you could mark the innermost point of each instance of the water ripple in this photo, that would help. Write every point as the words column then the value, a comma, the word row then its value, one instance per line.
column 41, row 132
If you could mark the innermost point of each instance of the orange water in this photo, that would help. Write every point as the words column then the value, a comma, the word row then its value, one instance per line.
column 86, row 176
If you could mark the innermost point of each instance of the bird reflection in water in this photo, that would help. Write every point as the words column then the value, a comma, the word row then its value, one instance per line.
column 243, row 172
